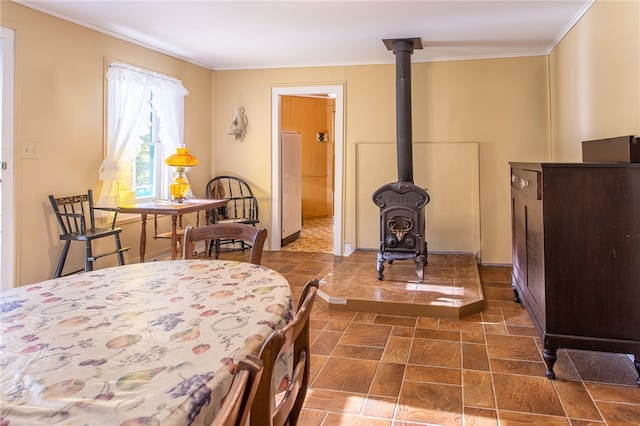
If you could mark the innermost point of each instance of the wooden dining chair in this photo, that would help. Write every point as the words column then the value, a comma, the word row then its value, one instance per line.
column 217, row 231
column 294, row 336
column 241, row 207
column 237, row 404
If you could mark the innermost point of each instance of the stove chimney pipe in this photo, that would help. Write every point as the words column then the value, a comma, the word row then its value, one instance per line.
column 403, row 49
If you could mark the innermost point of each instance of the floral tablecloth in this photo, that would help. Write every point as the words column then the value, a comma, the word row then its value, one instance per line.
column 142, row 344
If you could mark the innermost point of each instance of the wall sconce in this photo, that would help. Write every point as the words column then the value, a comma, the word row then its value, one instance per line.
column 239, row 124
column 182, row 161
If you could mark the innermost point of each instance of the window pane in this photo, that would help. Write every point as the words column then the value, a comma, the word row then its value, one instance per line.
column 145, row 176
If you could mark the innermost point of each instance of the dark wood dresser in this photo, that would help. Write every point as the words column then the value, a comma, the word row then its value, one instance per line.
column 576, row 254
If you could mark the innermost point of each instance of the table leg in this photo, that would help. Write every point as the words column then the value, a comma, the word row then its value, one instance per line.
column 143, row 236
column 174, row 236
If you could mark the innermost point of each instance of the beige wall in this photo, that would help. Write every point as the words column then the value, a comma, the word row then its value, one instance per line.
column 59, row 104
column 500, row 104
column 595, row 79
column 587, row 88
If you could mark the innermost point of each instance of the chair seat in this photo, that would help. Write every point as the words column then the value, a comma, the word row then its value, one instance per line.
column 90, row 234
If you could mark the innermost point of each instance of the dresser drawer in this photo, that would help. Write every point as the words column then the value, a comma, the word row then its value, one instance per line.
column 526, row 183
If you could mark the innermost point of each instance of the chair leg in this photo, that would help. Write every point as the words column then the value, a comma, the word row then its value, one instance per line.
column 63, row 259
column 217, row 244
column 119, row 250
column 88, row 257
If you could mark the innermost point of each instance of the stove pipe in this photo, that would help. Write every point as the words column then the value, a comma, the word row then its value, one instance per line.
column 403, row 49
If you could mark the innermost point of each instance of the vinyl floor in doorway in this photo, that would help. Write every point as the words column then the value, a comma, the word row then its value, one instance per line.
column 316, row 237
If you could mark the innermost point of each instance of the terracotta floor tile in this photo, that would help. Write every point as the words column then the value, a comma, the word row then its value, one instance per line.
column 564, row 367
column 423, row 373
column 430, row 403
column 329, row 400
column 437, row 353
column 512, row 347
column 495, row 328
column 358, row 352
column 379, row 406
column 311, row 417
column 388, row 379
column 397, row 350
column 334, row 419
column 616, row 414
column 332, row 315
column 527, row 394
column 514, row 366
column 402, row 331
column 425, row 333
column 474, row 357
column 317, row 361
column 472, row 323
column 522, row 331
column 471, row 337
column 325, row 342
column 576, row 400
column 614, row 393
column 344, row 374
column 366, row 335
column 428, row 322
column 365, row 317
column 478, row 389
column 514, row 418
column 480, row 417
column 603, row 367
column 395, row 320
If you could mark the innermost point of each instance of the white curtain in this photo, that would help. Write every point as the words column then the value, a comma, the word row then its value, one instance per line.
column 128, row 112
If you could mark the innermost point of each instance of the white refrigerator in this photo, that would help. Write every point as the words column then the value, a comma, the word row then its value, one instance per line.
column 290, row 186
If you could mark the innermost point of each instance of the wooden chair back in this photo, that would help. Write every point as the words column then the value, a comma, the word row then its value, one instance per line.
column 237, row 404
column 253, row 236
column 294, row 336
column 242, row 206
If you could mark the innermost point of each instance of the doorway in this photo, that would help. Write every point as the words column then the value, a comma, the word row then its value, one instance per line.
column 336, row 91
column 6, row 160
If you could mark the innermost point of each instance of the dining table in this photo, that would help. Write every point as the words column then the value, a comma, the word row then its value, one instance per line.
column 152, row 343
column 170, row 208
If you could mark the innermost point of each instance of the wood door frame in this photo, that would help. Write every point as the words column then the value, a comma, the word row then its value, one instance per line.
column 338, row 194
column 8, row 248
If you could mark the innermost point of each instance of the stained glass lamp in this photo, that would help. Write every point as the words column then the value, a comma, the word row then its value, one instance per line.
column 182, row 161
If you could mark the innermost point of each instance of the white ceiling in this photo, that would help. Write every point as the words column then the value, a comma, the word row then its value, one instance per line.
column 240, row 34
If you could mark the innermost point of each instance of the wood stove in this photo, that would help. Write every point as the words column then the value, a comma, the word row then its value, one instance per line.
column 402, row 218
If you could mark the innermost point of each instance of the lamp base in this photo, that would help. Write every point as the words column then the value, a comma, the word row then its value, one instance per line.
column 179, row 188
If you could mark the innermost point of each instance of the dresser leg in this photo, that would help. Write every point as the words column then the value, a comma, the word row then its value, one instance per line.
column 516, row 298
column 550, row 357
column 636, row 362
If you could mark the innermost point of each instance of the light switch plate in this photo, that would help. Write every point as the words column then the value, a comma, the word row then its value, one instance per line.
column 29, row 150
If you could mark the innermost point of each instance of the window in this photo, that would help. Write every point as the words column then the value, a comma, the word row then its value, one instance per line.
column 144, row 125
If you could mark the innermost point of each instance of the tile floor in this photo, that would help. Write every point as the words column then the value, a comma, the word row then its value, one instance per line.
column 482, row 369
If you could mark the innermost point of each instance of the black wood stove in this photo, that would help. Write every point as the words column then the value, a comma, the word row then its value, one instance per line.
column 402, row 218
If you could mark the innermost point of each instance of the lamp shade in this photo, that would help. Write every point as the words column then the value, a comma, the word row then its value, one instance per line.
column 181, row 158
